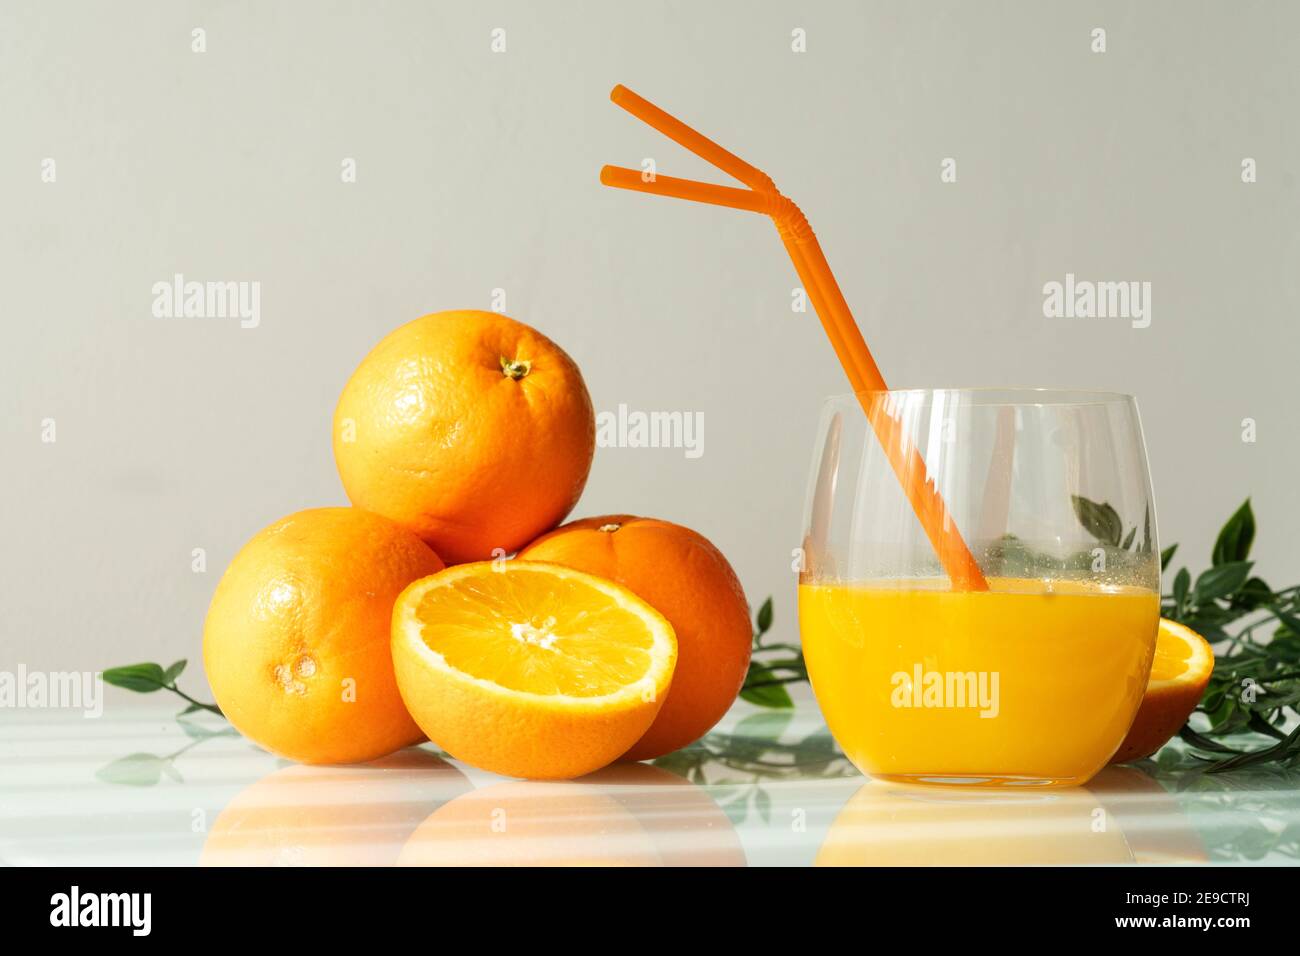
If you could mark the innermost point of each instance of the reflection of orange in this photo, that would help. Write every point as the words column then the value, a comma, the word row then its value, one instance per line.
column 887, row 824
column 296, row 643
column 468, row 427
column 1155, row 825
column 531, row 824
column 1180, row 673
column 687, row 827
column 358, row 815
column 684, row 577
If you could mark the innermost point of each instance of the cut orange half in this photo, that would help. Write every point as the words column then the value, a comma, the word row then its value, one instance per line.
column 1180, row 672
column 529, row 669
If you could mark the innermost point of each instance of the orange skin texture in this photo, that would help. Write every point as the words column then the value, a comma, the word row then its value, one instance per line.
column 447, row 443
column 685, row 578
column 1166, row 705
column 486, row 732
column 1160, row 716
column 305, row 607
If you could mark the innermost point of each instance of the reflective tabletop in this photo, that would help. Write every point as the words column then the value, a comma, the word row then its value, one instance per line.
column 140, row 786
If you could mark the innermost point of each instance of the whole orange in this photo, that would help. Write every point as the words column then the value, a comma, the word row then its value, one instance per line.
column 685, row 578
column 297, row 640
column 471, row 429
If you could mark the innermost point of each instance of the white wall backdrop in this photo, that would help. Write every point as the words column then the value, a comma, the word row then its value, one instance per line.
column 477, row 171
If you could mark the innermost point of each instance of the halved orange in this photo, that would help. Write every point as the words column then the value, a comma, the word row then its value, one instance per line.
column 530, row 669
column 1180, row 672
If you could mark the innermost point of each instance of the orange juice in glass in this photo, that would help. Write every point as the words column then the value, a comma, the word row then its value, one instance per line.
column 1032, row 681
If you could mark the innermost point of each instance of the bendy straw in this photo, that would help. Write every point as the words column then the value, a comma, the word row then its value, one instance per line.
column 828, row 301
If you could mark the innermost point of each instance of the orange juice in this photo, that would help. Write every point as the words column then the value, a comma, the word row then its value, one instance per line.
column 1030, row 682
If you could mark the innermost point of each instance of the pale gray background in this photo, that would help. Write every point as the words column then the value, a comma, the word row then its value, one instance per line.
column 478, row 171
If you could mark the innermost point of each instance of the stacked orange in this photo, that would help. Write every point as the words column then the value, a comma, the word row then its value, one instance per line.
column 466, row 437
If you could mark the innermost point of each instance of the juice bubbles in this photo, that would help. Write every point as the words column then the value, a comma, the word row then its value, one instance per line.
column 1032, row 682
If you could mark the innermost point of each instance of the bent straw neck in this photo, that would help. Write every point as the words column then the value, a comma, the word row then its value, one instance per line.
column 789, row 218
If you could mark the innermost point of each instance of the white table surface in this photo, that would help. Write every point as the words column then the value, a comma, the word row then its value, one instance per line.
column 137, row 786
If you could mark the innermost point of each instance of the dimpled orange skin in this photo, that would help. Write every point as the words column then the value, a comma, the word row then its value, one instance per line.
column 471, row 429
column 301, row 622
column 685, row 578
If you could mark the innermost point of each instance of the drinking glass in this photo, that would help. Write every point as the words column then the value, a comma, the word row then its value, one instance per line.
column 1031, row 682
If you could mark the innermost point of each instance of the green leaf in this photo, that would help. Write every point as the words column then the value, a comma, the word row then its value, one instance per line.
column 1203, row 742
column 134, row 770
column 766, row 727
column 1166, row 556
column 1128, row 539
column 765, row 617
column 1182, row 584
column 173, row 672
column 678, row 762
column 771, row 695
column 197, row 731
column 142, row 678
column 1254, row 593
column 737, row 810
column 1221, row 581
column 1099, row 520
column 1212, row 633
column 1289, row 621
column 1234, row 541
column 1285, row 749
column 1146, row 530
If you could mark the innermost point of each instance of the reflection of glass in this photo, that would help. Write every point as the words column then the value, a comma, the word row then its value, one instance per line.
column 1032, row 682
column 626, row 815
column 332, row 816
column 1121, row 817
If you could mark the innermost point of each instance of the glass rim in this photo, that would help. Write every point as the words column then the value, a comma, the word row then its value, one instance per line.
column 988, row 395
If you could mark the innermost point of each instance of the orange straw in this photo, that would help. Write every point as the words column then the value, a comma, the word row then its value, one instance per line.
column 828, row 301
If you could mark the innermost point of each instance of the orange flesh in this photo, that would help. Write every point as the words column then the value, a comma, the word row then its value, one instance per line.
column 535, row 633
column 1172, row 658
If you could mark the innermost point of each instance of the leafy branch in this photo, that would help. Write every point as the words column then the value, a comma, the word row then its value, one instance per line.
column 772, row 666
column 736, row 766
column 1255, row 688
column 149, row 677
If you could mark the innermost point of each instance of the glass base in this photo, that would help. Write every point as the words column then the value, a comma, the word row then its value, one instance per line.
column 980, row 781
